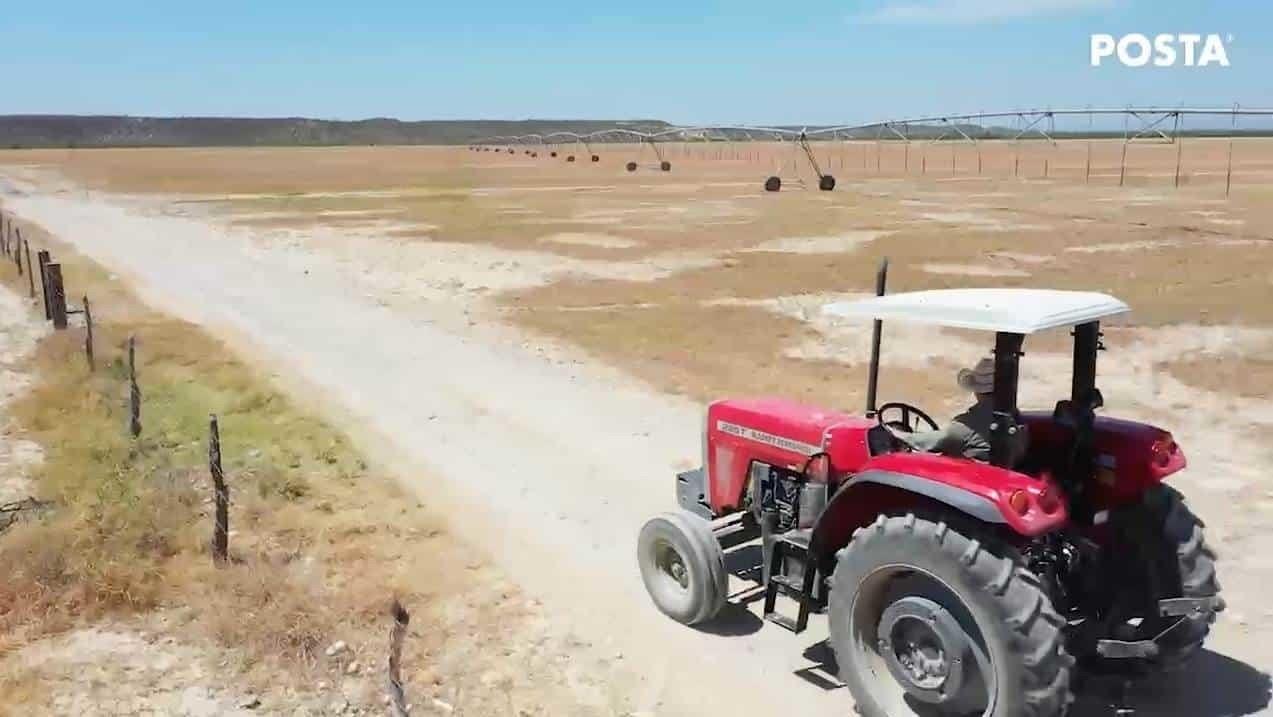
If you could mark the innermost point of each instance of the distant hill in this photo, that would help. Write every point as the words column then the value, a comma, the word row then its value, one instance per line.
column 23, row 131
column 26, row 131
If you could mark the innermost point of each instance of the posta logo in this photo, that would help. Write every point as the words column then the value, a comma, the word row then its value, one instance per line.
column 1166, row 50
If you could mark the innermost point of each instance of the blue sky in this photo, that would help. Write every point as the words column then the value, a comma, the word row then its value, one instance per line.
column 812, row 62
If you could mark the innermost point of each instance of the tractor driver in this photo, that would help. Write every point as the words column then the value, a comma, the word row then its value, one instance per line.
column 968, row 434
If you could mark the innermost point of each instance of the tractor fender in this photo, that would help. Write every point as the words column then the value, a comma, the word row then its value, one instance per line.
column 965, row 501
column 864, row 496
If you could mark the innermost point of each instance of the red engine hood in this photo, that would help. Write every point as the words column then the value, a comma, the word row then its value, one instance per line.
column 776, row 431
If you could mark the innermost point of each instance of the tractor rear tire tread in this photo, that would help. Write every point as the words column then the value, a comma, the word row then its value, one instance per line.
column 1020, row 616
column 1184, row 534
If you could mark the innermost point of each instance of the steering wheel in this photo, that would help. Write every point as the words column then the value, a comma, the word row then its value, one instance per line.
column 911, row 418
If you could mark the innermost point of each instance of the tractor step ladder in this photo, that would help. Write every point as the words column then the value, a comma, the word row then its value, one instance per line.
column 792, row 544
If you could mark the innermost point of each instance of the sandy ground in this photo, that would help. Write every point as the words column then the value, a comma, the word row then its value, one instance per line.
column 19, row 333
column 146, row 667
column 134, row 671
column 552, row 461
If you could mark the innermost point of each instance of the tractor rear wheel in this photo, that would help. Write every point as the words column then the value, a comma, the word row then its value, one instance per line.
column 683, row 567
column 1188, row 564
column 927, row 619
column 1183, row 533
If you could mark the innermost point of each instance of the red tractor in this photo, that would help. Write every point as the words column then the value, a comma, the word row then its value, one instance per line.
column 952, row 586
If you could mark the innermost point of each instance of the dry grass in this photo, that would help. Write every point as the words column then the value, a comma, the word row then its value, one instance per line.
column 1247, row 376
column 704, row 352
column 131, row 524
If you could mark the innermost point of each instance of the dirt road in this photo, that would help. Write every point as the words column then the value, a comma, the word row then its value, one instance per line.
column 547, row 462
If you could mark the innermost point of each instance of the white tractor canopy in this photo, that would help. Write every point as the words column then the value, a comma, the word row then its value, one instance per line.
column 1016, row 311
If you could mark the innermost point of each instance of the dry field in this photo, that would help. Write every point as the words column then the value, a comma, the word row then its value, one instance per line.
column 662, row 273
column 695, row 284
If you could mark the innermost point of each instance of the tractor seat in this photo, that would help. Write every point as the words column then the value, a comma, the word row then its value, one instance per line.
column 879, row 440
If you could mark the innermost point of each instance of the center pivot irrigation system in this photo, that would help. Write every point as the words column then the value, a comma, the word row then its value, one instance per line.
column 650, row 153
column 1138, row 124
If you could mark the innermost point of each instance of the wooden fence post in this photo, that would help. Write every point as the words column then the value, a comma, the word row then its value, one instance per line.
column 57, row 294
column 43, row 258
column 221, row 527
column 1122, row 166
column 30, row 271
column 397, row 697
column 134, row 392
column 17, row 256
column 88, row 336
column 1180, row 148
column 1228, row 172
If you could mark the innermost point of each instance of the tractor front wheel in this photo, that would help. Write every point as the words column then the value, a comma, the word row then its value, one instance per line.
column 927, row 619
column 683, row 567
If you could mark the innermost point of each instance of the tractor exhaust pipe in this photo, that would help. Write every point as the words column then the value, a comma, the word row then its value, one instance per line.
column 873, row 379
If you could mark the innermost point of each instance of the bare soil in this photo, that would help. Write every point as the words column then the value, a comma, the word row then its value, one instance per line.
column 19, row 333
